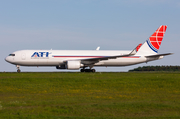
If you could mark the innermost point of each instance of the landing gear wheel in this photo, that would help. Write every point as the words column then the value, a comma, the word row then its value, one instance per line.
column 18, row 70
column 93, row 70
column 82, row 70
column 88, row 70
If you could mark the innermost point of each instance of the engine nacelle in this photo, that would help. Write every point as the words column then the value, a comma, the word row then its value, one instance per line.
column 73, row 65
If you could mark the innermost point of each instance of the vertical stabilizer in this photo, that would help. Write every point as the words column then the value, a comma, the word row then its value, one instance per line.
column 152, row 45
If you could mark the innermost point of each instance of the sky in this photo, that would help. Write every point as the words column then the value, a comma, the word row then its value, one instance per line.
column 85, row 25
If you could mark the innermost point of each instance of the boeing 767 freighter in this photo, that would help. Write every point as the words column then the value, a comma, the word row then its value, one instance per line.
column 76, row 59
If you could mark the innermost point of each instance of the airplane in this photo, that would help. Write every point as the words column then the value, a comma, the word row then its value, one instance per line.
column 81, row 59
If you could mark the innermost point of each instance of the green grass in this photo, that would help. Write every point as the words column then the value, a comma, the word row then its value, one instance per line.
column 151, row 95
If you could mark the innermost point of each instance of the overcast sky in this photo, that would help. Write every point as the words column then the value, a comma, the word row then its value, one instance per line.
column 86, row 24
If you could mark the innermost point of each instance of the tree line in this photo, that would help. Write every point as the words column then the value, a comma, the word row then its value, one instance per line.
column 157, row 68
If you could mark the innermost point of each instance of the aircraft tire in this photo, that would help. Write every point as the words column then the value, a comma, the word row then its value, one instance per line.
column 18, row 70
column 93, row 70
column 87, row 70
column 82, row 70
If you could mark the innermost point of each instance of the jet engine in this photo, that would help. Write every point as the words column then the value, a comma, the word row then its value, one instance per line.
column 73, row 65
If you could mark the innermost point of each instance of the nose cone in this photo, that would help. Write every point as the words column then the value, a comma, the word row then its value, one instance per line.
column 8, row 59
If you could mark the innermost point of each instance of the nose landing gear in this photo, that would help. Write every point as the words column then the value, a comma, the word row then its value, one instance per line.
column 18, row 68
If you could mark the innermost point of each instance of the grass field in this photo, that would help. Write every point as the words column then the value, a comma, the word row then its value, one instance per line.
column 152, row 95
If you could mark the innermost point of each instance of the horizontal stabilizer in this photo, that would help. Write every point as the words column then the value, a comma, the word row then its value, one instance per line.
column 151, row 56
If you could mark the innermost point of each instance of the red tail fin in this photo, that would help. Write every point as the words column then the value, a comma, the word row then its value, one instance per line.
column 152, row 45
column 155, row 40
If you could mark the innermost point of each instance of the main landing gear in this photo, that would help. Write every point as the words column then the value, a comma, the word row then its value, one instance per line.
column 88, row 70
column 18, row 68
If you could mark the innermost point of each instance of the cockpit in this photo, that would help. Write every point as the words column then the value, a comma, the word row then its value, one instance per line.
column 10, row 58
column 11, row 54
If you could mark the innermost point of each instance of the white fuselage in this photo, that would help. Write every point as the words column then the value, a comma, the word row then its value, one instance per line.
column 76, row 59
column 58, row 57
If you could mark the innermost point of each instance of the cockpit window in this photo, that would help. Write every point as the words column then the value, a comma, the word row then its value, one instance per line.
column 11, row 54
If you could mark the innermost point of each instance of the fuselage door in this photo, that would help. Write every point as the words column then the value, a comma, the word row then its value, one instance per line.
column 23, row 55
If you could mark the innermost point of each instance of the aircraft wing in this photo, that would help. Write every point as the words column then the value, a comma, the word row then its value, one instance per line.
column 91, row 61
column 96, row 60
column 136, row 49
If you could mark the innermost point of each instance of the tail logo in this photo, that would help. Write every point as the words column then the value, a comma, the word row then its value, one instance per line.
column 155, row 40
